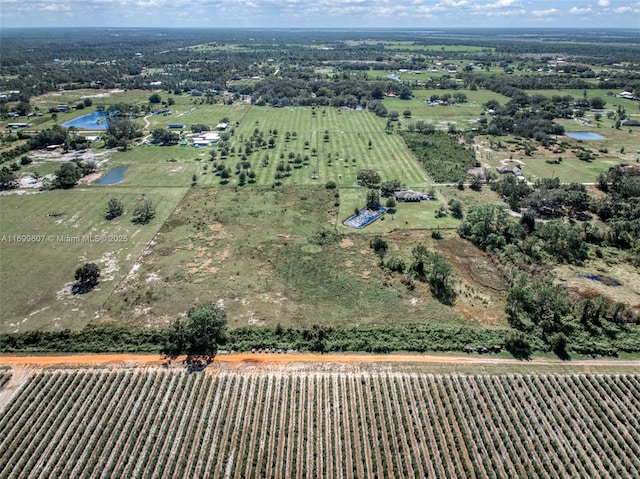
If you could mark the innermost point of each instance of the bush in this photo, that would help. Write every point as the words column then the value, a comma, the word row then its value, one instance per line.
column 517, row 344
column 143, row 212
column 330, row 185
column 86, row 278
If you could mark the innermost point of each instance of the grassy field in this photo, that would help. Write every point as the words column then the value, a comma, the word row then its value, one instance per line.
column 260, row 252
column 258, row 248
column 45, row 237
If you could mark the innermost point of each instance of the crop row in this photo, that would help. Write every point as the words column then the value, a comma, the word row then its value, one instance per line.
column 163, row 423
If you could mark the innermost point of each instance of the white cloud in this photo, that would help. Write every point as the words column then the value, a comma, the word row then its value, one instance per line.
column 580, row 11
column 316, row 13
column 544, row 13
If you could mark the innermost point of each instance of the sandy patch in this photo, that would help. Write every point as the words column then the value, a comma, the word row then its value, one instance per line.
column 346, row 243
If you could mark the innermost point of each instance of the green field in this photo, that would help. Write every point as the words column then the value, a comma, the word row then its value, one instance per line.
column 45, row 237
column 253, row 246
column 258, row 251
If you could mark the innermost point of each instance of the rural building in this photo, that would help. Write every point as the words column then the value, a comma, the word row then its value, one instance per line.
column 408, row 196
column 15, row 126
column 630, row 123
column 175, row 126
column 514, row 170
column 221, row 126
column 627, row 95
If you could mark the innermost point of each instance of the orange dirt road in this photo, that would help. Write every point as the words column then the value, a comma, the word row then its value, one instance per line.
column 80, row 360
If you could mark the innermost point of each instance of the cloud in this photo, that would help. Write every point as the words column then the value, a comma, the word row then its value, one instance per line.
column 544, row 13
column 315, row 13
column 580, row 11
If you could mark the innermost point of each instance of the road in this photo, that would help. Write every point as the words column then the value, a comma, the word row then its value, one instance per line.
column 78, row 360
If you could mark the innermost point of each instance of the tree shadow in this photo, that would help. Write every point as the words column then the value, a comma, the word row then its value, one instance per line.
column 82, row 288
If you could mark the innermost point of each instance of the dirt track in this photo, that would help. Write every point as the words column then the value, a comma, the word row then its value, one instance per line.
column 248, row 358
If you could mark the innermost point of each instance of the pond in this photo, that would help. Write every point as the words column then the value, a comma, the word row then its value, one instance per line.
column 114, row 176
column 93, row 121
column 584, row 135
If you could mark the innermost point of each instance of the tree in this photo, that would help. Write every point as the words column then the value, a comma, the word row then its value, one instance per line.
column 476, row 184
column 388, row 188
column 206, row 325
column 120, row 132
column 163, row 137
column 517, row 344
column 391, row 204
column 439, row 277
column 86, row 278
column 155, row 98
column 8, row 179
column 373, row 199
column 368, row 178
column 379, row 245
column 115, row 208
column 420, row 254
column 455, row 206
column 67, row 175
column 143, row 212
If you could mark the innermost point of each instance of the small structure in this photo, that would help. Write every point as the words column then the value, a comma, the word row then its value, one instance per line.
column 221, row 126
column 15, row 126
column 630, row 123
column 175, row 126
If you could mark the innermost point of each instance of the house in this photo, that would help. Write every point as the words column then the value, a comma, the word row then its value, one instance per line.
column 514, row 170
column 221, row 126
column 407, row 196
column 15, row 126
column 62, row 108
column 627, row 95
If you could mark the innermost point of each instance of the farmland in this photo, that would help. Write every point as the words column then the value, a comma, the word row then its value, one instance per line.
column 306, row 422
column 302, row 130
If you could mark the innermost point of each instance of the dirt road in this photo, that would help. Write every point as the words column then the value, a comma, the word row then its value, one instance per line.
column 79, row 360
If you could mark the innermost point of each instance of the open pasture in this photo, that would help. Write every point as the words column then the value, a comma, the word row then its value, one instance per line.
column 46, row 236
column 272, row 256
column 171, row 424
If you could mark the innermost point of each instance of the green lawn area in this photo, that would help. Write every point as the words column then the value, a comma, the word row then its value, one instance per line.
column 68, row 229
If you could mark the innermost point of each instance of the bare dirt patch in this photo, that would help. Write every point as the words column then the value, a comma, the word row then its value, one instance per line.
column 346, row 243
column 473, row 264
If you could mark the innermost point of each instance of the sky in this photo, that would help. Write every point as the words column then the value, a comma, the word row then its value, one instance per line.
column 427, row 14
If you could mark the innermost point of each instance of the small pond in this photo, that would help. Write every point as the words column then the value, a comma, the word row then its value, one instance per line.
column 584, row 135
column 363, row 218
column 113, row 177
column 93, row 121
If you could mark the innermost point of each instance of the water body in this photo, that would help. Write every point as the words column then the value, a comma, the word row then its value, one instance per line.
column 114, row 176
column 584, row 135
column 92, row 121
